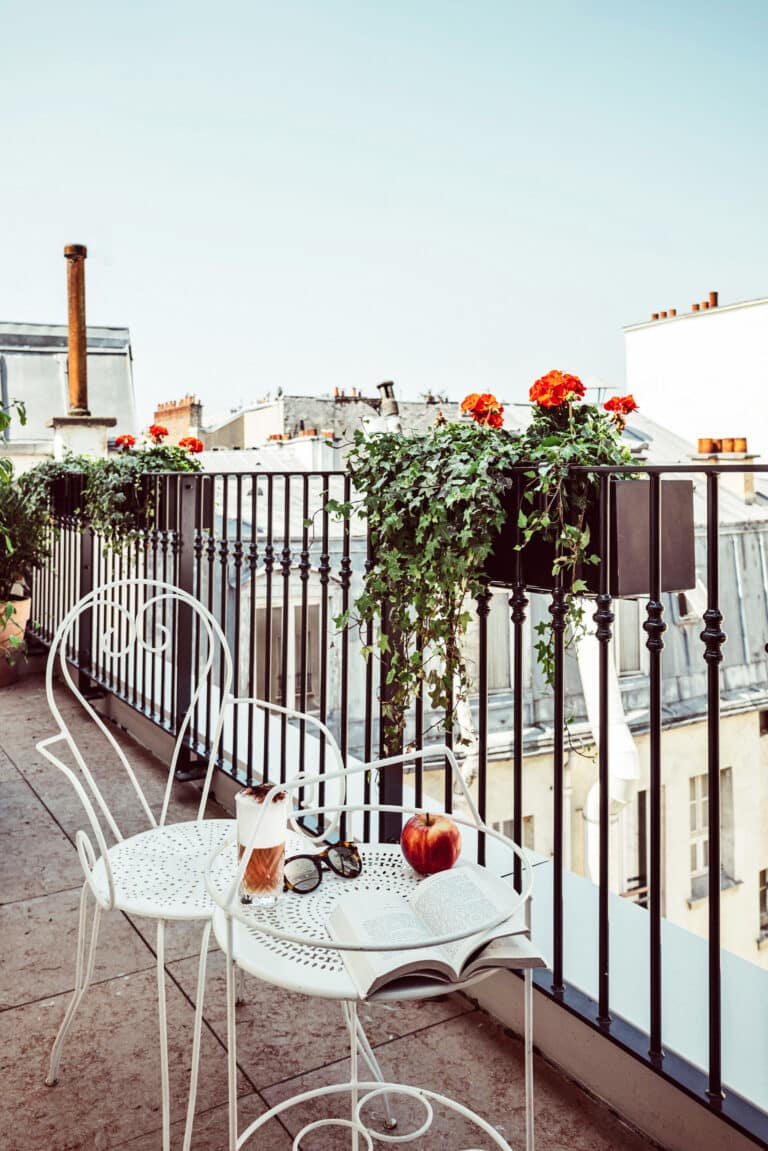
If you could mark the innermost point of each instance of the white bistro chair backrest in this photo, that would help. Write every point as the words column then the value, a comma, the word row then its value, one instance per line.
column 131, row 627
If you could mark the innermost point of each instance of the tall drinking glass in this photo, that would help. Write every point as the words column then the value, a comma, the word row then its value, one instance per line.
column 263, row 877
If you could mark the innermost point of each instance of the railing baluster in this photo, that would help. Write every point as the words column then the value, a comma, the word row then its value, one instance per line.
column 346, row 580
column 655, row 627
column 304, row 615
column 603, row 618
column 288, row 698
column 325, row 579
column 269, row 564
column 714, row 637
column 483, row 611
column 253, row 563
column 559, row 611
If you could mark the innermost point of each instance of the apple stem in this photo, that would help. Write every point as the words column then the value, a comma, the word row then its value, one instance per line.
column 428, row 819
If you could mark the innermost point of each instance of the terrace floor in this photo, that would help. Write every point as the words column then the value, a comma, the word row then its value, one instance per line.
column 108, row 1093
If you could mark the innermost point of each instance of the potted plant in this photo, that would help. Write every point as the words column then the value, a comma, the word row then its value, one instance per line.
column 438, row 504
column 24, row 545
column 118, row 495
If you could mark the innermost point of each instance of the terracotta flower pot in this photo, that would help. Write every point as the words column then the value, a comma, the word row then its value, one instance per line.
column 10, row 631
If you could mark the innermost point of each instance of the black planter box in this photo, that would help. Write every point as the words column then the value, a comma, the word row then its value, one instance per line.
column 67, row 494
column 628, row 560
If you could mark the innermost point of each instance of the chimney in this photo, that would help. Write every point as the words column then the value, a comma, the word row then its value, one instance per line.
column 388, row 405
column 77, row 355
column 694, row 307
column 663, row 315
column 713, row 299
column 673, row 311
column 654, row 315
column 389, row 410
column 704, row 305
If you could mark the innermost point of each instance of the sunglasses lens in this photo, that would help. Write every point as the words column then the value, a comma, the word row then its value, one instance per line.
column 345, row 860
column 302, row 874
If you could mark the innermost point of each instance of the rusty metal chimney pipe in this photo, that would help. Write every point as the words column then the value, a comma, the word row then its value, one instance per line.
column 77, row 347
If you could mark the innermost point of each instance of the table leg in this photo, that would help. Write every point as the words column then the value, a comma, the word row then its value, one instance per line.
column 350, row 1014
column 528, row 1008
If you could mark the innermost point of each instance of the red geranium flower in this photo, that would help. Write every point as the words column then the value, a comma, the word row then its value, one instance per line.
column 157, row 432
column 125, row 441
column 556, row 388
column 484, row 409
column 623, row 405
column 192, row 444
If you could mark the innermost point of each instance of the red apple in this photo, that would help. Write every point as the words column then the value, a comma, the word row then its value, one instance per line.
column 430, row 843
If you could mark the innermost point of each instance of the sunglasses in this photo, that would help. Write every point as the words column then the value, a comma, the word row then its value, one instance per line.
column 304, row 873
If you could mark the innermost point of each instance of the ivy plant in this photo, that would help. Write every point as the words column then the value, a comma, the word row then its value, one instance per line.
column 435, row 502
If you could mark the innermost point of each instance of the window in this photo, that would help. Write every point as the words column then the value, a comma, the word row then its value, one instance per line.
column 764, row 904
column 699, row 826
column 699, row 832
column 628, row 637
column 763, row 717
column 294, row 654
column 499, row 645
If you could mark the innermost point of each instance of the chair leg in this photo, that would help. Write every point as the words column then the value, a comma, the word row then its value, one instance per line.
column 163, row 1018
column 201, row 968
column 83, row 975
column 528, row 1011
column 231, row 1039
column 239, row 985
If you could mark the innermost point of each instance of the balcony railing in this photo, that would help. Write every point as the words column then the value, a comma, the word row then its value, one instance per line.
column 264, row 555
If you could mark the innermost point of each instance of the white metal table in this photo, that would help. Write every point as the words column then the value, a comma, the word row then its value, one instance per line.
column 283, row 960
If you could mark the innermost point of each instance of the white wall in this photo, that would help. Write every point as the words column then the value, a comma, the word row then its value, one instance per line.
column 704, row 373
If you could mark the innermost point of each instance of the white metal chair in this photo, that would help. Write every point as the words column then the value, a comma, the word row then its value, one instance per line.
column 130, row 625
column 291, row 947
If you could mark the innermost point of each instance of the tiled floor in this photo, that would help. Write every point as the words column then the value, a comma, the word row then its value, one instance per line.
column 108, row 1093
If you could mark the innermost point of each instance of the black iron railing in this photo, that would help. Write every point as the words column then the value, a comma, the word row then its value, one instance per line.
column 263, row 553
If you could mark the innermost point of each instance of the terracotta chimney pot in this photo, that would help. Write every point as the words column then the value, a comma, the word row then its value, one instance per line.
column 694, row 307
column 713, row 299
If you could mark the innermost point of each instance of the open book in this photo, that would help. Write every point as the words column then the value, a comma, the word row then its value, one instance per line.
column 450, row 901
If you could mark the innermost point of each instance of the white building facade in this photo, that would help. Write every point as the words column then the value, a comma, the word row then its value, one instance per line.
column 704, row 373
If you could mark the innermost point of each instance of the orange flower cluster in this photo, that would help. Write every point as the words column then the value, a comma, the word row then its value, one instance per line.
column 157, row 432
column 192, row 444
column 484, row 408
column 125, row 441
column 556, row 388
column 623, row 405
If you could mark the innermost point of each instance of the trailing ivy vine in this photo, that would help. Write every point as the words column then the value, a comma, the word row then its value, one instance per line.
column 435, row 502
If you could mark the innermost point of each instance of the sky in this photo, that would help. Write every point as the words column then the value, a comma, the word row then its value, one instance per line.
column 457, row 195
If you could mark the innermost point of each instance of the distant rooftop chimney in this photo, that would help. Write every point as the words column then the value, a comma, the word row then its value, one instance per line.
column 77, row 359
column 713, row 299
column 389, row 405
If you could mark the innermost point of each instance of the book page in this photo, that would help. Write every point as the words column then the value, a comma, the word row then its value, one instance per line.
column 378, row 918
column 462, row 897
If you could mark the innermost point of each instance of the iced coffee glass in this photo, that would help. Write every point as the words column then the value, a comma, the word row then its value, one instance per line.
column 262, row 880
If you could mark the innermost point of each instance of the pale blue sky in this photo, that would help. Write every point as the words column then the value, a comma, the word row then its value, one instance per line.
column 454, row 195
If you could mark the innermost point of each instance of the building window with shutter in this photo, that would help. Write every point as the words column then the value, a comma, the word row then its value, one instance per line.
column 698, row 806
